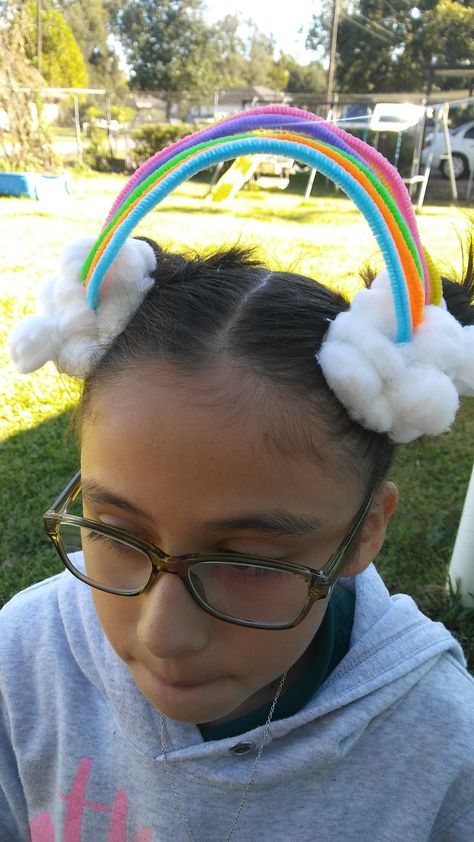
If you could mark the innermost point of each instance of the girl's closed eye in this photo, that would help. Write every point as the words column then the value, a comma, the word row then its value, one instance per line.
column 108, row 543
column 132, row 529
column 273, row 551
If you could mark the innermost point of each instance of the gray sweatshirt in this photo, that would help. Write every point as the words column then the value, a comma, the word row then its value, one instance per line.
column 383, row 752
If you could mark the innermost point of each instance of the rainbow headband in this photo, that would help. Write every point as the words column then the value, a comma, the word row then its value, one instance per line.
column 359, row 170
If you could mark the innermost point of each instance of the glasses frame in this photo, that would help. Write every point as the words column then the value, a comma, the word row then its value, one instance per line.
column 319, row 582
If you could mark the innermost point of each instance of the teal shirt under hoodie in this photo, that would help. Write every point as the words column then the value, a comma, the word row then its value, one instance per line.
column 383, row 751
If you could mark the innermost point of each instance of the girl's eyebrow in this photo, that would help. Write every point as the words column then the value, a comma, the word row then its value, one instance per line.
column 276, row 522
column 96, row 493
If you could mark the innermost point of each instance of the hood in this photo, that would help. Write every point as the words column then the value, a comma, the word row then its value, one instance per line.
column 393, row 647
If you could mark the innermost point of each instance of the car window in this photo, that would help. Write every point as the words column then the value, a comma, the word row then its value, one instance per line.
column 470, row 133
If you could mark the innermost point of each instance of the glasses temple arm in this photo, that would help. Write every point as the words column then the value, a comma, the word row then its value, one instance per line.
column 333, row 568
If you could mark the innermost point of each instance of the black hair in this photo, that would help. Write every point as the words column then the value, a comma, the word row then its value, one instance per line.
column 227, row 304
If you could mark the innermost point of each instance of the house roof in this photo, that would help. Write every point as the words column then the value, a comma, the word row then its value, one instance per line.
column 144, row 99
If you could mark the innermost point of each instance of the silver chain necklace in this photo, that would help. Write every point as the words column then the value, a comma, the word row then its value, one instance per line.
column 248, row 785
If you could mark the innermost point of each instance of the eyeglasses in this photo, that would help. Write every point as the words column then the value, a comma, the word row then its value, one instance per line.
column 242, row 589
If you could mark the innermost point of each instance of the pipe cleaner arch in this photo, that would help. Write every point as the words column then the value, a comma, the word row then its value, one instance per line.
column 362, row 173
column 281, row 116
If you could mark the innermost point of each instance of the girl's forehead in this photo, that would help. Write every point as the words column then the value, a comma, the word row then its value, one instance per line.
column 221, row 430
column 226, row 400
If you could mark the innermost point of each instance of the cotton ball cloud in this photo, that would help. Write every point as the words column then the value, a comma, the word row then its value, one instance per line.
column 403, row 389
column 65, row 328
column 425, row 402
column 31, row 343
column 464, row 375
column 437, row 341
column 131, row 269
column 355, row 382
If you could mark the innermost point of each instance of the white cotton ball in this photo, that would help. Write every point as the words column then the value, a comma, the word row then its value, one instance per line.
column 75, row 320
column 383, row 353
column 437, row 341
column 73, row 272
column 120, row 305
column 73, row 258
column 375, row 306
column 148, row 255
column 424, row 399
column 402, row 433
column 405, row 389
column 112, row 316
column 377, row 414
column 464, row 375
column 31, row 343
column 76, row 355
column 138, row 289
column 69, row 293
column 363, row 301
column 350, row 375
column 116, row 310
column 357, row 384
column 343, row 327
column 382, row 281
column 76, row 251
column 135, row 260
column 387, row 360
column 45, row 297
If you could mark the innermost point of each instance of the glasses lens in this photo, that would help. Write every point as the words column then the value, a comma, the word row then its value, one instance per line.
column 105, row 560
column 251, row 593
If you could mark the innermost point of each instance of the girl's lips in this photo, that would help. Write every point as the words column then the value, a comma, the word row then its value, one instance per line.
column 180, row 684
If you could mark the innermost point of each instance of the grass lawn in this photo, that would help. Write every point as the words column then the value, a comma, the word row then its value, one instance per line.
column 325, row 237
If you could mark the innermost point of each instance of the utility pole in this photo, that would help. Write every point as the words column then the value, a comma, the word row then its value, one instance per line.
column 332, row 55
column 39, row 34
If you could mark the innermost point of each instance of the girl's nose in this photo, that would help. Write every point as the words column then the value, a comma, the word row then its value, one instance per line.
column 170, row 622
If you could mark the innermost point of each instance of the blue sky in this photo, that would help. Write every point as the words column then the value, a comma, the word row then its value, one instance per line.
column 276, row 18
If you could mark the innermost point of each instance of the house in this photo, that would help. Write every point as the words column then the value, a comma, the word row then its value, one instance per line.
column 234, row 100
column 148, row 108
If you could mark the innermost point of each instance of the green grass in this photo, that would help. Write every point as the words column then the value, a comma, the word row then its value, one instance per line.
column 325, row 237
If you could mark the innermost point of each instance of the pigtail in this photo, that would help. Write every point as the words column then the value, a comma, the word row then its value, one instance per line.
column 459, row 294
column 367, row 274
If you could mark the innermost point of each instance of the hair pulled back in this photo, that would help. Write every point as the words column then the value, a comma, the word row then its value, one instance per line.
column 229, row 305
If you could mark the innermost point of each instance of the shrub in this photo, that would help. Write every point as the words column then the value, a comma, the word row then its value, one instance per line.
column 151, row 138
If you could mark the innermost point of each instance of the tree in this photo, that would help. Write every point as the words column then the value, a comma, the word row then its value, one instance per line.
column 450, row 32
column 62, row 63
column 27, row 144
column 228, row 45
column 167, row 47
column 246, row 56
column 259, row 66
column 304, row 78
column 388, row 46
column 90, row 23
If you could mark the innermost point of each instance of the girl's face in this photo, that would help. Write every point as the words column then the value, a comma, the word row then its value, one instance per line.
column 190, row 459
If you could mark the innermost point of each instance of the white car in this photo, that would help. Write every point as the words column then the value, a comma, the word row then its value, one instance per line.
column 462, row 148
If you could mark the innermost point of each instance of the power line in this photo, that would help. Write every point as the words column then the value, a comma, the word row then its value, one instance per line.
column 408, row 5
column 387, row 32
column 367, row 30
column 332, row 55
column 392, row 10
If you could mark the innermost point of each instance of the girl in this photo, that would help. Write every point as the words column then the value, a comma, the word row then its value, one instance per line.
column 225, row 662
